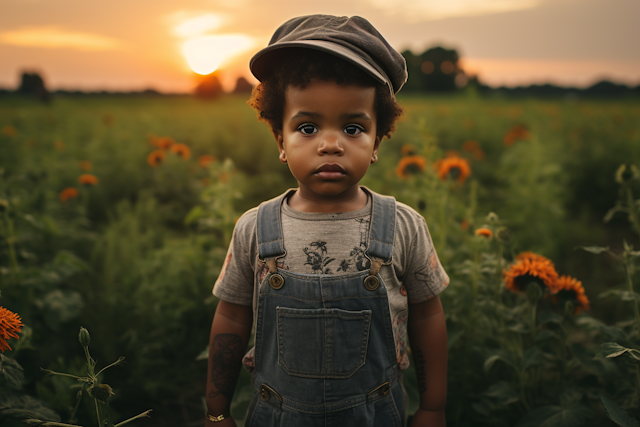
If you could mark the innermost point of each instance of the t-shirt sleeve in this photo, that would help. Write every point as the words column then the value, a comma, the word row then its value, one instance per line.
column 424, row 276
column 235, row 282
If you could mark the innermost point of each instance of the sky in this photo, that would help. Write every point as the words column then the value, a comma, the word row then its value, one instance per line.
column 140, row 44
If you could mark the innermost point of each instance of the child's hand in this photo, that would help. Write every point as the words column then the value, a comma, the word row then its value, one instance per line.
column 424, row 418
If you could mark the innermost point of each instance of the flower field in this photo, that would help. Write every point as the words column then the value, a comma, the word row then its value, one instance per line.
column 116, row 213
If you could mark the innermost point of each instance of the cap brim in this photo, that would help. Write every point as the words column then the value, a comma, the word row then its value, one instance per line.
column 260, row 63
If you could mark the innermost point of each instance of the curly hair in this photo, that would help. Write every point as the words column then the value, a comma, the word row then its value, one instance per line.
column 298, row 66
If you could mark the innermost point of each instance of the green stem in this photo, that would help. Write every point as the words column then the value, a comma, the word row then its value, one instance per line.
column 633, row 212
column 144, row 414
column 533, row 323
column 630, row 283
column 100, row 424
column 12, row 250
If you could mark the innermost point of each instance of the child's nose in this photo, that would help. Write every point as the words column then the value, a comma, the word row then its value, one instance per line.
column 330, row 144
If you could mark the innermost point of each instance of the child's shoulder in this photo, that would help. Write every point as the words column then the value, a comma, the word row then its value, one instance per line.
column 246, row 224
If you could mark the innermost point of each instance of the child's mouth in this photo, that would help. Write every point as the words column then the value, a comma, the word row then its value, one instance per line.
column 330, row 172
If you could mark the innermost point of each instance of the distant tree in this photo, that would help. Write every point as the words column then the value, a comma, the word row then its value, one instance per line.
column 31, row 84
column 209, row 87
column 242, row 86
column 435, row 69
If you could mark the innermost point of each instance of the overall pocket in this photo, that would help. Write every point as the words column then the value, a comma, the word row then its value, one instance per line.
column 322, row 343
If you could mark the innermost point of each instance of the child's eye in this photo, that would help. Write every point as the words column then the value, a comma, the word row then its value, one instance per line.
column 307, row 129
column 353, row 130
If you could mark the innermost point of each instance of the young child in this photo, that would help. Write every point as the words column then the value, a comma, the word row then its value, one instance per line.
column 331, row 275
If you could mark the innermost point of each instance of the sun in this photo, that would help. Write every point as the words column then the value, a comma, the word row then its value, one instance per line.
column 206, row 53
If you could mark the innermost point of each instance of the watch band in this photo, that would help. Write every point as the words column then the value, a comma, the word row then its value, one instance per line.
column 218, row 418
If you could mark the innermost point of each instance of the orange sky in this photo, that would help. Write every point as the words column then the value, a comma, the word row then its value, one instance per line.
column 138, row 44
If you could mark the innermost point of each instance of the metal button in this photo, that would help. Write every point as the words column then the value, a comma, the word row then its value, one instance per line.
column 384, row 390
column 276, row 281
column 371, row 283
column 265, row 393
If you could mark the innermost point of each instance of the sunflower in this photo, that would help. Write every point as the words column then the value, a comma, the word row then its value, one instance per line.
column 526, row 270
column 408, row 150
column 9, row 131
column 68, row 193
column 454, row 165
column 164, row 142
column 156, row 157
column 531, row 256
column 181, row 150
column 570, row 289
column 410, row 165
column 86, row 165
column 484, row 232
column 10, row 325
column 470, row 146
column 205, row 159
column 88, row 179
column 517, row 132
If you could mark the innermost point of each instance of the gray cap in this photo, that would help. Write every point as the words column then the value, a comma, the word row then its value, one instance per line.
column 353, row 39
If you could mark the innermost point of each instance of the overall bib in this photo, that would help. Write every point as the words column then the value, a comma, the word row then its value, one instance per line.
column 324, row 348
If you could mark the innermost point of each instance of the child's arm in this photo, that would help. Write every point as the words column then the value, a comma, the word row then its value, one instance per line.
column 428, row 338
column 230, row 332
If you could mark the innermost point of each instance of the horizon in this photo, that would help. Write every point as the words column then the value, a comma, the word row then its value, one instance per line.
column 128, row 46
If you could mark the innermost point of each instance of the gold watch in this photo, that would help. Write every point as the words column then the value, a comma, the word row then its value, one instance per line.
column 218, row 418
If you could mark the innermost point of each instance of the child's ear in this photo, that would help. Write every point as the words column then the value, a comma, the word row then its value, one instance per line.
column 376, row 145
column 277, row 134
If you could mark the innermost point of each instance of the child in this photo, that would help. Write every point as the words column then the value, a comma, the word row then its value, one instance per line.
column 331, row 275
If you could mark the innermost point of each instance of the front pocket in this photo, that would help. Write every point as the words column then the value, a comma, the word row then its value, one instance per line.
column 322, row 343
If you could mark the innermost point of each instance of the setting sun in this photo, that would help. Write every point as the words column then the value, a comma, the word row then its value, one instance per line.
column 205, row 54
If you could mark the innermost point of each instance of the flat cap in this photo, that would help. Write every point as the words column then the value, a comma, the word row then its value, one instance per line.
column 353, row 39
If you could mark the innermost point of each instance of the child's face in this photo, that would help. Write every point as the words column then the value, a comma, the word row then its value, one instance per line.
column 328, row 137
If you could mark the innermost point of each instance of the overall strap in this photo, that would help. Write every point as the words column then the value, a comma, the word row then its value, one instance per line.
column 383, row 228
column 270, row 240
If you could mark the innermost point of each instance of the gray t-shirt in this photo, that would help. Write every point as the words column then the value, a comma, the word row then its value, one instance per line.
column 335, row 243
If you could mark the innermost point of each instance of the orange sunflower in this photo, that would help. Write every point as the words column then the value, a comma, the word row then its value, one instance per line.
column 517, row 132
column 86, row 165
column 205, row 160
column 10, row 325
column 470, row 146
column 68, row 193
column 9, row 131
column 410, row 165
column 484, row 232
column 164, row 142
column 570, row 289
column 408, row 150
column 88, row 179
column 527, row 270
column 531, row 256
column 181, row 150
column 454, row 165
column 156, row 157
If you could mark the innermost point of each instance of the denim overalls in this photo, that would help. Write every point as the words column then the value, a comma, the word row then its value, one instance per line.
column 324, row 347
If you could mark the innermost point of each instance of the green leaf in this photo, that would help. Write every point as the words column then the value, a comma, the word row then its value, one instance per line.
column 617, row 414
column 613, row 211
column 549, row 317
column 611, row 349
column 622, row 294
column 194, row 215
column 572, row 415
column 23, row 406
column 545, row 335
column 11, row 373
column 594, row 249
column 204, row 355
column 532, row 357
column 503, row 392
column 488, row 364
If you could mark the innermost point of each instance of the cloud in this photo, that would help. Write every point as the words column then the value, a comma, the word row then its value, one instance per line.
column 54, row 38
column 418, row 10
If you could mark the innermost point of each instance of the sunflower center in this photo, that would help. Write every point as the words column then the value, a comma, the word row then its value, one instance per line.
column 455, row 172
column 522, row 282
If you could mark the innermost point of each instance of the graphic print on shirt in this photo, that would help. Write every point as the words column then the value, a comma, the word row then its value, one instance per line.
column 319, row 259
